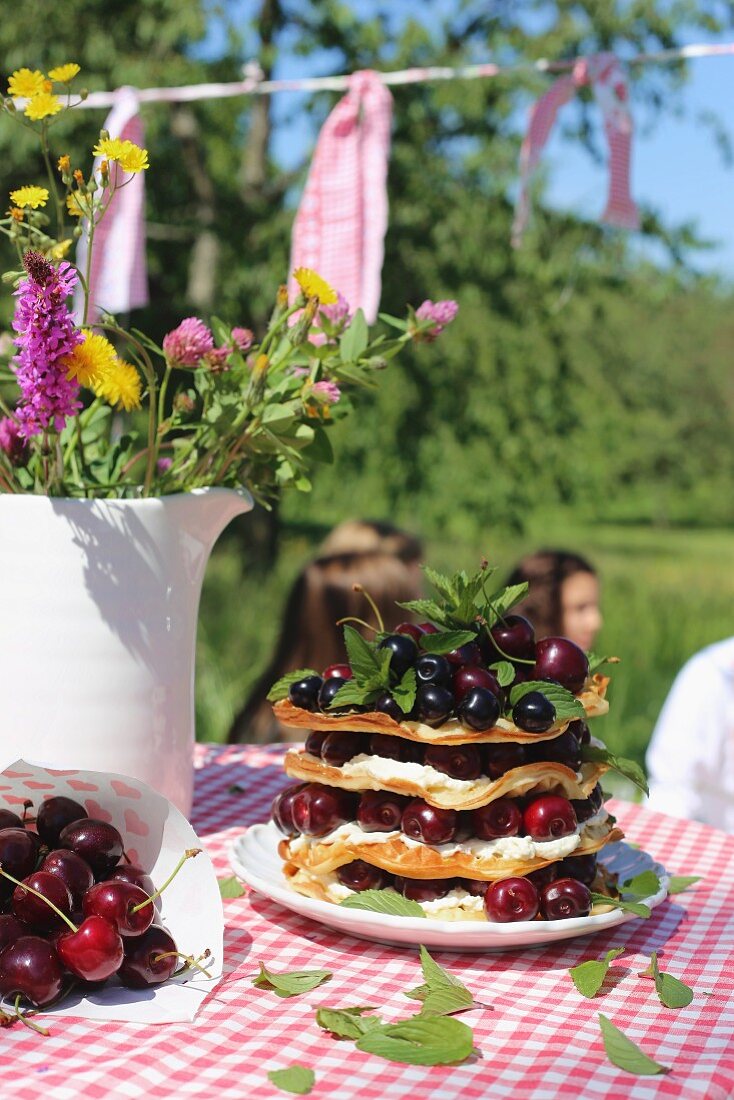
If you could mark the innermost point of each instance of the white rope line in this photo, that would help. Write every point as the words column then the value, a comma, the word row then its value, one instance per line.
column 252, row 84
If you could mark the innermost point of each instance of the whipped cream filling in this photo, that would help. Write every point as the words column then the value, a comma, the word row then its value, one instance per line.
column 516, row 848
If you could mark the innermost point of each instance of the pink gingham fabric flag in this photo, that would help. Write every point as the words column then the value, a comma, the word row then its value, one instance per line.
column 339, row 230
column 607, row 78
column 118, row 279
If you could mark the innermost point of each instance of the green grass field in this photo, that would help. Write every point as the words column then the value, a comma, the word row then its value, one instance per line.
column 665, row 594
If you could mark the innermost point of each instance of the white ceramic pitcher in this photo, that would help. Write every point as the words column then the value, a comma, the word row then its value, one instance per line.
column 98, row 610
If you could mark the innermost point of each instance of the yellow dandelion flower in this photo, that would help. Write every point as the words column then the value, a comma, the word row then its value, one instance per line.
column 64, row 163
column 25, row 83
column 127, row 154
column 30, row 196
column 91, row 361
column 16, row 214
column 74, row 206
column 313, row 286
column 64, row 74
column 42, row 106
column 121, row 385
column 59, row 250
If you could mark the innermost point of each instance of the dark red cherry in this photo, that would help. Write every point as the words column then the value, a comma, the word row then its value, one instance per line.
column 469, row 654
column 474, row 886
column 511, row 899
column 18, row 855
column 424, row 889
column 474, row 676
column 97, row 842
column 122, row 904
column 11, row 929
column 339, row 746
column 33, row 910
column 396, row 748
column 74, row 872
column 305, row 693
column 584, row 808
column 148, row 959
column 582, row 868
column 94, row 952
column 411, row 629
column 544, row 875
column 30, row 966
column 386, row 704
column 458, row 761
column 503, row 757
column 128, row 872
column 433, row 704
column 562, row 660
column 380, row 811
column 513, row 637
column 403, row 650
column 534, row 713
column 359, row 875
column 479, row 709
column 566, row 897
column 549, row 817
column 564, row 749
column 328, row 703
column 54, row 814
column 428, row 823
column 429, row 628
column 497, row 819
column 341, row 672
column 314, row 741
column 582, row 731
column 433, row 668
column 9, row 820
column 317, row 810
column 282, row 809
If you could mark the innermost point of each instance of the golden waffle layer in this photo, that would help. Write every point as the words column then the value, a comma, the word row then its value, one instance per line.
column 420, row 781
column 452, row 732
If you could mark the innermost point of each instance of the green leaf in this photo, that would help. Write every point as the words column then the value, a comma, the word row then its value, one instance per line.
column 679, row 883
column 626, row 904
column 404, row 693
column 442, row 994
column 504, row 672
column 625, row 1054
column 503, row 599
column 566, row 705
column 628, row 768
column 290, row 983
column 321, row 449
column 230, row 887
column 279, row 690
column 354, row 694
column 596, row 662
column 445, row 641
column 383, row 901
column 296, row 1079
column 427, row 609
column 355, row 339
column 588, row 977
column 444, row 585
column 347, row 1023
column 364, row 659
column 671, row 992
column 643, row 885
column 420, row 1041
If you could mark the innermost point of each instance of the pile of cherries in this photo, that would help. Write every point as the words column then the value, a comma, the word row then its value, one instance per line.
column 314, row 810
column 459, row 761
column 460, row 684
column 71, row 913
column 555, row 892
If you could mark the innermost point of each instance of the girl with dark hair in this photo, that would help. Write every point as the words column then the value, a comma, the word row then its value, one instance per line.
column 563, row 597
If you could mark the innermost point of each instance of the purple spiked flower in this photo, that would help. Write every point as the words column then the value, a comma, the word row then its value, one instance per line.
column 46, row 335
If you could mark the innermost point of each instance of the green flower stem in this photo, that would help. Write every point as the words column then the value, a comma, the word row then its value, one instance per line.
column 149, row 372
column 52, row 183
column 161, row 407
column 88, row 270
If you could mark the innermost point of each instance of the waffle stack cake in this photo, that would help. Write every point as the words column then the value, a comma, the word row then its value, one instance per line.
column 450, row 762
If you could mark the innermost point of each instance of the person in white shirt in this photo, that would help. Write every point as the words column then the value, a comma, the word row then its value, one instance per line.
column 690, row 759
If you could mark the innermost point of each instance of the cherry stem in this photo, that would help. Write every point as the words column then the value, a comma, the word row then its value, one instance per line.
column 25, row 1020
column 27, row 805
column 188, row 854
column 354, row 619
column 189, row 961
column 50, row 904
column 513, row 660
column 373, row 605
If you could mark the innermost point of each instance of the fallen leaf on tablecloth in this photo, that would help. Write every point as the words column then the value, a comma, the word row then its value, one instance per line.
column 296, row 1079
column 290, row 983
column 231, row 887
column 588, row 977
column 672, row 992
column 626, row 1054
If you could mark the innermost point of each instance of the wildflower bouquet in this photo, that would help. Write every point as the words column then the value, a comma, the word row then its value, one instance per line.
column 100, row 410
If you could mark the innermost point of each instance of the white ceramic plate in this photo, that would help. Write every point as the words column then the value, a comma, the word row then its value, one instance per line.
column 254, row 858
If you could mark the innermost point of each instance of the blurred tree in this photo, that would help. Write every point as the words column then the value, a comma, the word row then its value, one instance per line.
column 568, row 375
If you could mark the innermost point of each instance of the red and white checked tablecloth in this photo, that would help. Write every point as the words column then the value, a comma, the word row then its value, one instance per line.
column 539, row 1041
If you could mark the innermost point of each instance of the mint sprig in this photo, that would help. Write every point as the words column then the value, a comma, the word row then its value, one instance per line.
column 588, row 977
column 230, row 887
column 501, row 601
column 641, row 886
column 624, row 1053
column 290, row 983
column 566, row 705
column 295, row 1079
column 445, row 641
column 671, row 992
column 678, row 883
column 628, row 905
column 442, row 994
column 405, row 692
column 420, row 1041
column 388, row 902
column 279, row 690
column 628, row 768
column 504, row 671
